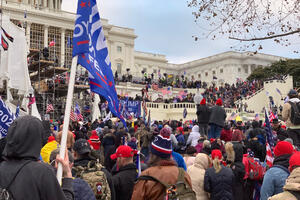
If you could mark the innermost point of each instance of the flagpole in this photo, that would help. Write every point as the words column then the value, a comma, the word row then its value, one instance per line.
column 67, row 117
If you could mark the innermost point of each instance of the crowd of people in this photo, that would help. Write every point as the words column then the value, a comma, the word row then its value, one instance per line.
column 208, row 158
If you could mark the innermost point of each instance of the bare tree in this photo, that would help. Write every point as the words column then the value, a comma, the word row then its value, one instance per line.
column 248, row 21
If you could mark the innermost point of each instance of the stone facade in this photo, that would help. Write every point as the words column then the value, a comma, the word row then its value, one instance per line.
column 45, row 22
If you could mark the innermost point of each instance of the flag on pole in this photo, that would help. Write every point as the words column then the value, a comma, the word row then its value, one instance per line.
column 278, row 91
column 77, row 112
column 25, row 14
column 90, row 46
column 49, row 108
column 270, row 141
column 73, row 116
column 185, row 113
column 232, row 116
column 69, row 42
column 6, row 118
column 149, row 119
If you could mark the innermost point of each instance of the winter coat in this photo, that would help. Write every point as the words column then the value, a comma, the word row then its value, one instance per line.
column 275, row 177
column 203, row 113
column 292, row 184
column 189, row 160
column 286, row 114
column 108, row 142
column 199, row 147
column 281, row 134
column 165, row 171
column 194, row 136
column 219, row 185
column 238, row 170
column 82, row 190
column 123, row 181
column 217, row 116
column 36, row 180
column 196, row 172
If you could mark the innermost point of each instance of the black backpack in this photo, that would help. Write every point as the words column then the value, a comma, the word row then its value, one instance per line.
column 295, row 194
column 178, row 191
column 5, row 194
column 295, row 113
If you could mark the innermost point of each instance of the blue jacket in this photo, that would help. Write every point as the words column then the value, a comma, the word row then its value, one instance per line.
column 274, row 181
column 82, row 190
column 179, row 160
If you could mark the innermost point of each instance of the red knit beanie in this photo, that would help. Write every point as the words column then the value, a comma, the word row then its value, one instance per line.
column 295, row 159
column 216, row 153
column 219, row 102
column 283, row 148
column 203, row 101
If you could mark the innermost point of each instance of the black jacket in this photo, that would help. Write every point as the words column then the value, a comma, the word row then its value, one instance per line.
column 124, row 180
column 35, row 180
column 281, row 134
column 203, row 113
column 217, row 116
column 219, row 185
column 238, row 170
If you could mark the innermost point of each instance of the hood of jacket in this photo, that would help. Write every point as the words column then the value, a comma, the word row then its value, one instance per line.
column 195, row 129
column 238, row 150
column 202, row 161
column 293, row 181
column 24, row 139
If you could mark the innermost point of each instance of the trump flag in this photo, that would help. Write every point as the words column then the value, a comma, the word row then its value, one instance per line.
column 90, row 46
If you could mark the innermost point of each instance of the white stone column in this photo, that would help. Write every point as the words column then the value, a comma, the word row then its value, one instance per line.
column 62, row 47
column 45, row 4
column 249, row 69
column 28, row 34
column 51, row 4
column 56, row 4
column 46, row 30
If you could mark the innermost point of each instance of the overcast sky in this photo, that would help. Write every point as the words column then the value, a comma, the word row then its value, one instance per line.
column 167, row 26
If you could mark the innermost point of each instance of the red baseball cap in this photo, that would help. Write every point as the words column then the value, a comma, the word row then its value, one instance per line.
column 123, row 152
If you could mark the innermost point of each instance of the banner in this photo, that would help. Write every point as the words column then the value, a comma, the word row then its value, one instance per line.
column 132, row 107
column 6, row 119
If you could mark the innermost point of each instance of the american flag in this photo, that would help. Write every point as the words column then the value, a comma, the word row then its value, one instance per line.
column 270, row 141
column 73, row 116
column 78, row 114
column 232, row 116
column 49, row 108
column 272, row 116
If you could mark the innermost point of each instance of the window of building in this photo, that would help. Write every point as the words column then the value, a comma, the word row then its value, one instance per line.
column 214, row 72
column 54, row 35
column 206, row 73
column 239, row 69
column 145, row 69
column 199, row 75
column 36, row 36
column 119, row 68
column 192, row 77
column 154, row 71
column 68, row 48
column 119, row 48
column 221, row 71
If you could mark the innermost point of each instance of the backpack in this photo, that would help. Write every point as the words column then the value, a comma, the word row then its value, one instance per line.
column 295, row 194
column 5, row 194
column 178, row 191
column 253, row 169
column 96, row 178
column 295, row 113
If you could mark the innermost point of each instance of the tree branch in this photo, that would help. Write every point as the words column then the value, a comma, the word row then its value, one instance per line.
column 267, row 38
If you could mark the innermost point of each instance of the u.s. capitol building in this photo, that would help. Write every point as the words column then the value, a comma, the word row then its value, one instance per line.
column 45, row 22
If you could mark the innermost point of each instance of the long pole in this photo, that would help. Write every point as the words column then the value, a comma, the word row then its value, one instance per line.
column 67, row 117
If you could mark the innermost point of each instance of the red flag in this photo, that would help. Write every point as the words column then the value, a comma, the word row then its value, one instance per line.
column 52, row 43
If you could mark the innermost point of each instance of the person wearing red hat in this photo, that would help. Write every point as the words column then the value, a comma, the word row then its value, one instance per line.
column 216, row 120
column 203, row 113
column 276, row 176
column 292, row 185
column 125, row 173
column 218, row 180
column 94, row 141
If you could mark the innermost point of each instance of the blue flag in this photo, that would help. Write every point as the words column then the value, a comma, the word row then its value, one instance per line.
column 6, row 118
column 17, row 111
column 270, row 138
column 90, row 46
